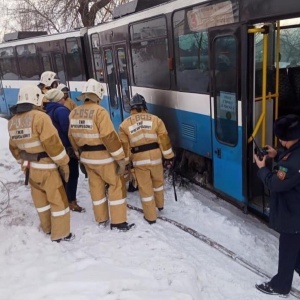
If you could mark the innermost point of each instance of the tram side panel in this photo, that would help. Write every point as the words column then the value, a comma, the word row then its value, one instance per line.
column 23, row 61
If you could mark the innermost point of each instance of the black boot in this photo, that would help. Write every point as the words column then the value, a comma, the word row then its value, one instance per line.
column 122, row 226
column 68, row 238
column 267, row 289
column 131, row 188
column 150, row 222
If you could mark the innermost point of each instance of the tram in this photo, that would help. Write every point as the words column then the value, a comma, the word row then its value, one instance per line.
column 217, row 72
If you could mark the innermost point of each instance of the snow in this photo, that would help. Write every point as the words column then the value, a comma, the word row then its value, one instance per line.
column 157, row 261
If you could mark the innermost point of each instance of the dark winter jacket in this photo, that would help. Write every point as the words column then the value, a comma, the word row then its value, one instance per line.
column 59, row 115
column 284, row 185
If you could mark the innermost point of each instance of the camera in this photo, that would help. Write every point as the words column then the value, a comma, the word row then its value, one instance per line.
column 261, row 152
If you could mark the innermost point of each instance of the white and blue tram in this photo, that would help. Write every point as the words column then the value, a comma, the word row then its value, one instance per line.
column 23, row 60
column 217, row 72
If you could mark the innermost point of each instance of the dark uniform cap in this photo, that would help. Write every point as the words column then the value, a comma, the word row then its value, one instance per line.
column 62, row 87
column 287, row 128
column 138, row 101
column 65, row 89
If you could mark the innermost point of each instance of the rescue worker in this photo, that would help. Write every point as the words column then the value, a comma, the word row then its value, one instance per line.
column 34, row 142
column 69, row 103
column 284, row 185
column 92, row 134
column 145, row 140
column 48, row 81
column 59, row 115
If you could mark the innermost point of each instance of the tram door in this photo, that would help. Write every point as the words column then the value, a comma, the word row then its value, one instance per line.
column 226, row 111
column 115, row 58
column 3, row 104
column 53, row 61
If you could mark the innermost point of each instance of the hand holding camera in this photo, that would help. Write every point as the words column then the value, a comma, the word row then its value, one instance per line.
column 271, row 151
column 261, row 152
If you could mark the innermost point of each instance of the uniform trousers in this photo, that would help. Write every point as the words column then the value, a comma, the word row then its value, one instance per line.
column 289, row 260
column 51, row 203
column 111, row 201
column 151, row 189
column 71, row 185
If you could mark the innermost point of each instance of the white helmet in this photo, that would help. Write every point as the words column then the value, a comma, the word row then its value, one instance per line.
column 92, row 86
column 62, row 87
column 48, row 77
column 30, row 94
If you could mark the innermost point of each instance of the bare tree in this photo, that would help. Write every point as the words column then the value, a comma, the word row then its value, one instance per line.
column 60, row 15
column 290, row 44
column 88, row 14
column 5, row 24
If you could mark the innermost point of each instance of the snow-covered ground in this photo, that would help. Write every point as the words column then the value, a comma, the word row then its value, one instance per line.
column 158, row 262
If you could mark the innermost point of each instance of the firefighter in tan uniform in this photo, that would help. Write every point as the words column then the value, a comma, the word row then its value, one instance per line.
column 48, row 81
column 92, row 134
column 69, row 103
column 34, row 142
column 145, row 140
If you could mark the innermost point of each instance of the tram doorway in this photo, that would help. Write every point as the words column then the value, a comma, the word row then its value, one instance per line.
column 275, row 91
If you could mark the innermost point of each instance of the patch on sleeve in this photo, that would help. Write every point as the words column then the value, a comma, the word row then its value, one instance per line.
column 281, row 173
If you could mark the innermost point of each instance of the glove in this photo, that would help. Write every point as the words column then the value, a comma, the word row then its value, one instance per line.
column 168, row 163
column 64, row 172
column 126, row 175
column 121, row 166
column 29, row 156
column 133, row 178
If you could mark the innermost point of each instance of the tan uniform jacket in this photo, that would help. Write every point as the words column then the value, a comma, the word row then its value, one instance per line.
column 34, row 132
column 70, row 104
column 141, row 129
column 91, row 125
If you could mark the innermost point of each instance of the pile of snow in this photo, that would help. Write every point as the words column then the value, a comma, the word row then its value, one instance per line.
column 150, row 262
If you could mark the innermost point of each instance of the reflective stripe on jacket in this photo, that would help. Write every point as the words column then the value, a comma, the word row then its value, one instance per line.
column 34, row 132
column 141, row 129
column 91, row 125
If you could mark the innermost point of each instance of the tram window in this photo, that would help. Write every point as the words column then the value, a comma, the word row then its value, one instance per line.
column 152, row 28
column 111, row 78
column 149, row 50
column 270, row 87
column 74, row 60
column 98, row 66
column 46, row 63
column 59, row 63
column 123, row 75
column 191, row 55
column 289, row 72
column 28, row 62
column 8, row 64
column 289, row 47
column 225, row 74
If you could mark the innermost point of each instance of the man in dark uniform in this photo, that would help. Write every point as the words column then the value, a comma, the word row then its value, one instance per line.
column 284, row 185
